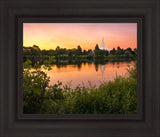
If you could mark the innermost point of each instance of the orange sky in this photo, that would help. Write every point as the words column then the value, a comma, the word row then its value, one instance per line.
column 87, row 35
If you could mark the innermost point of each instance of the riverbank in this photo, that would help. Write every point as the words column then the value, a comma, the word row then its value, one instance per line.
column 78, row 59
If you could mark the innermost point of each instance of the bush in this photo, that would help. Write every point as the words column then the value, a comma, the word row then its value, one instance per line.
column 34, row 84
column 115, row 97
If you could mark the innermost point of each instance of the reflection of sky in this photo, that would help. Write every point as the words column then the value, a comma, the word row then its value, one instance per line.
column 87, row 35
column 87, row 72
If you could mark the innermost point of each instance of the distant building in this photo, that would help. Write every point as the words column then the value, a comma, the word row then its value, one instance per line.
column 103, row 46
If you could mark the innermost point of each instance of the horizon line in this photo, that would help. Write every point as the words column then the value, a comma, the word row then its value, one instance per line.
column 80, row 46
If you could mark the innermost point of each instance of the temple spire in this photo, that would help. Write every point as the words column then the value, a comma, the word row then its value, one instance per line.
column 102, row 46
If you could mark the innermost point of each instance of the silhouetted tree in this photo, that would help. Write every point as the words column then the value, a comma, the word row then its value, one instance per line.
column 57, row 48
column 79, row 48
column 106, row 53
column 96, row 47
column 118, row 48
column 113, row 51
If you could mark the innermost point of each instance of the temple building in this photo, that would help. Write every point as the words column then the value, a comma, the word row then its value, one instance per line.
column 103, row 46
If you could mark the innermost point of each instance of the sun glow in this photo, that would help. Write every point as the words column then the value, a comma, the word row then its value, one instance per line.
column 87, row 35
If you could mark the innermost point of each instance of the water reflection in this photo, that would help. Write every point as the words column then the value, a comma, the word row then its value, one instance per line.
column 102, row 68
column 83, row 72
column 96, row 67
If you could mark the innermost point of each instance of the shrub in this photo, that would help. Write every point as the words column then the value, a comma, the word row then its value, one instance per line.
column 34, row 84
column 114, row 97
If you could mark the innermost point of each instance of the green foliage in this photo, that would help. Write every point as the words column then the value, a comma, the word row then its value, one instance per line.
column 27, row 64
column 52, row 59
column 100, row 53
column 114, row 97
column 47, row 63
column 117, row 97
column 54, row 92
column 133, row 71
column 34, row 84
column 49, row 106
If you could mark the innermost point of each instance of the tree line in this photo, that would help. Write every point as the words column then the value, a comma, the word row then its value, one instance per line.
column 35, row 51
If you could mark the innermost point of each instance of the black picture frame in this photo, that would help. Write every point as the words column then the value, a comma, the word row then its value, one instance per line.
column 13, row 123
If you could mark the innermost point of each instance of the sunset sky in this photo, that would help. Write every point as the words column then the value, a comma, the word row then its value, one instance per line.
column 87, row 35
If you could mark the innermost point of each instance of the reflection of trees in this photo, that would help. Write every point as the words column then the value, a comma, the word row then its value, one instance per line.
column 35, row 59
column 99, row 61
column 89, row 63
column 117, row 64
column 113, row 63
column 99, row 64
column 79, row 65
column 58, row 66
column 96, row 67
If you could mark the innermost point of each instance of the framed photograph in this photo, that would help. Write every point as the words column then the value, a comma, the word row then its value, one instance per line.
column 90, row 78
column 79, row 68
